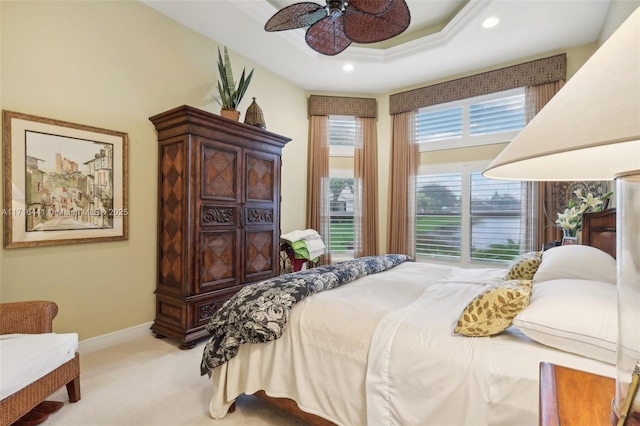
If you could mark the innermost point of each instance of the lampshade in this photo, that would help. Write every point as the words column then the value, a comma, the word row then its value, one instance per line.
column 590, row 130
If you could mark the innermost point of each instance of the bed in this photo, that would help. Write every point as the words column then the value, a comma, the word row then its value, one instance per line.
column 382, row 348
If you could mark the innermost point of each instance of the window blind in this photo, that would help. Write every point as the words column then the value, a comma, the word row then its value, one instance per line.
column 439, row 215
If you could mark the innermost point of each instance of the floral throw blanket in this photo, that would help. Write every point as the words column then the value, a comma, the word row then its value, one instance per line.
column 259, row 312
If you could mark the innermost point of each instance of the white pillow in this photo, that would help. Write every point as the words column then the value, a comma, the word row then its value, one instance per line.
column 576, row 262
column 577, row 316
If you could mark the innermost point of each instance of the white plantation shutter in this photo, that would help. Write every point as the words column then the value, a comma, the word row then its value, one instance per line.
column 439, row 215
column 495, row 218
column 460, row 215
column 342, row 130
column 487, row 119
column 439, row 124
column 468, row 218
column 498, row 115
column 342, row 204
column 343, row 190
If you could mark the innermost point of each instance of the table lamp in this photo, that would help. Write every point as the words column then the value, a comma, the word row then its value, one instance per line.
column 590, row 130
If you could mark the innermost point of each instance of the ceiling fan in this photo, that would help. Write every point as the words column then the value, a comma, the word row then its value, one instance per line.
column 334, row 26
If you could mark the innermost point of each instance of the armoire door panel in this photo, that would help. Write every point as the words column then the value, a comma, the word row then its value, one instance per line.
column 220, row 216
column 259, row 215
column 219, row 260
column 260, row 255
column 261, row 174
column 220, row 171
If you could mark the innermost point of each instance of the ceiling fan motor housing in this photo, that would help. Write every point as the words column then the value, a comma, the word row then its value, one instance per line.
column 335, row 8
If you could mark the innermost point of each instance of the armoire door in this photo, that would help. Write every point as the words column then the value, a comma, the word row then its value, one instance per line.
column 219, row 213
column 261, row 216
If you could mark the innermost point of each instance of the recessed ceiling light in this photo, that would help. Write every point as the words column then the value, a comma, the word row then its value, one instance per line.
column 347, row 67
column 490, row 22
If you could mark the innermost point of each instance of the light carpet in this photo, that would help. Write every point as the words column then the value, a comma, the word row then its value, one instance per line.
column 151, row 382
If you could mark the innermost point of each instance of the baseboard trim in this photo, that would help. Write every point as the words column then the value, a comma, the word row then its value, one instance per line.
column 111, row 339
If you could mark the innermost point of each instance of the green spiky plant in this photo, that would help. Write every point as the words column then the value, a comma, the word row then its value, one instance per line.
column 230, row 95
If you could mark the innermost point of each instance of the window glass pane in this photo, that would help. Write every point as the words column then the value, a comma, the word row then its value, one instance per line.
column 438, row 215
column 439, row 124
column 341, row 203
column 495, row 218
column 498, row 115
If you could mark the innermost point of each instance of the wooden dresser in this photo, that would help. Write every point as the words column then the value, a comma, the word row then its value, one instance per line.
column 218, row 216
column 571, row 397
column 599, row 230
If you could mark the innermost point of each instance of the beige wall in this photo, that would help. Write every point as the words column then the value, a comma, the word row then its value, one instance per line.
column 113, row 65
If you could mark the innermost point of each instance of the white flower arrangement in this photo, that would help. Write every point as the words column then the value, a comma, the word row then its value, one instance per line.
column 571, row 220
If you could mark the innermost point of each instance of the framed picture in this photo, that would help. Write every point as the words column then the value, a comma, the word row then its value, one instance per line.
column 567, row 241
column 64, row 183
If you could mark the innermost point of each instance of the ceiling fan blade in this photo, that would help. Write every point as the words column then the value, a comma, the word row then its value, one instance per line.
column 327, row 36
column 371, row 6
column 297, row 15
column 362, row 27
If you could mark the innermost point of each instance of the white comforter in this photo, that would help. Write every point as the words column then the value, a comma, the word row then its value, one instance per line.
column 381, row 351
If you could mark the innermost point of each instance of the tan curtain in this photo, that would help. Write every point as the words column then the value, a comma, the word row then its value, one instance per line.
column 366, row 178
column 318, row 215
column 403, row 169
column 540, row 230
column 365, row 166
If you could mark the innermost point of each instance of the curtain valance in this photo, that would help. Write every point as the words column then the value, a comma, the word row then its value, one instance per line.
column 545, row 70
column 341, row 105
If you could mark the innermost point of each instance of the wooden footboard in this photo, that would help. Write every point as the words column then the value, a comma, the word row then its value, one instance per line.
column 15, row 406
column 291, row 407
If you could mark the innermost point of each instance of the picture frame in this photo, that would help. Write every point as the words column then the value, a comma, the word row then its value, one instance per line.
column 63, row 183
column 569, row 241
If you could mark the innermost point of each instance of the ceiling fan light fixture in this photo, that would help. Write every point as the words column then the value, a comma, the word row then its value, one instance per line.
column 490, row 22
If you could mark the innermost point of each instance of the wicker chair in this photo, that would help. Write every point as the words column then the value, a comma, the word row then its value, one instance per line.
column 35, row 317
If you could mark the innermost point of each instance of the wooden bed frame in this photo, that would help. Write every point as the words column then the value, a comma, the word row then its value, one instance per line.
column 598, row 230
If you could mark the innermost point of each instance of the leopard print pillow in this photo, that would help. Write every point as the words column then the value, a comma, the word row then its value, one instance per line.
column 492, row 311
column 524, row 266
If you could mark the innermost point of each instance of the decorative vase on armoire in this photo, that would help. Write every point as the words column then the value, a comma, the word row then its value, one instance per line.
column 218, row 216
column 231, row 114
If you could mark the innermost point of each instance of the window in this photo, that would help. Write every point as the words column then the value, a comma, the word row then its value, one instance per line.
column 343, row 190
column 487, row 119
column 460, row 215
column 495, row 213
column 341, row 203
column 439, row 215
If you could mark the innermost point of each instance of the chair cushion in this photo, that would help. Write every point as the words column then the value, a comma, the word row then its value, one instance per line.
column 24, row 358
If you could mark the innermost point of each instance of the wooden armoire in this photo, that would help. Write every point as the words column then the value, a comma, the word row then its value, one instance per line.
column 218, row 216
